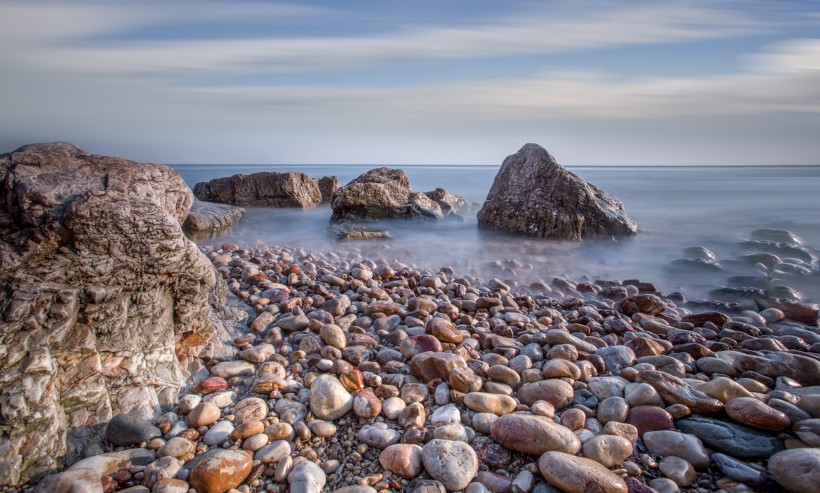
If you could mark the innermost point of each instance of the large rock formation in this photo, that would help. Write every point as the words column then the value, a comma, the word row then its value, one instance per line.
column 104, row 301
column 266, row 189
column 209, row 219
column 385, row 193
column 534, row 196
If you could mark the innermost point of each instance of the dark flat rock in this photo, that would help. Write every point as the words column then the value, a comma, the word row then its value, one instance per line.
column 731, row 439
column 124, row 430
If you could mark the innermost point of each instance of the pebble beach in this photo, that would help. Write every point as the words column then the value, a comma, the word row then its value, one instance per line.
column 371, row 375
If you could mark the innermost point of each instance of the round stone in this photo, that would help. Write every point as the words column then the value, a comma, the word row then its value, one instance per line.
column 572, row 474
column 306, row 477
column 332, row 335
column 273, row 452
column 329, row 399
column 607, row 450
column 204, row 414
column 255, row 442
column 612, row 409
column 678, row 470
column 557, row 392
column 454, row 464
column 222, row 470
column 176, row 447
column 482, row 402
column 797, row 470
column 392, row 407
column 402, row 459
column 218, row 433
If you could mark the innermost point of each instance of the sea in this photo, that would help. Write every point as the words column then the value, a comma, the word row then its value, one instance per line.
column 715, row 208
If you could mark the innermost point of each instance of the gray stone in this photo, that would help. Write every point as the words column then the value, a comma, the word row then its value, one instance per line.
column 306, row 477
column 533, row 195
column 454, row 464
column 732, row 439
column 126, row 429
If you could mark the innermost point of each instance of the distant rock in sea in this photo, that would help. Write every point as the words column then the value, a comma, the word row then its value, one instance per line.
column 104, row 304
column 385, row 193
column 266, row 189
column 208, row 219
column 327, row 185
column 533, row 195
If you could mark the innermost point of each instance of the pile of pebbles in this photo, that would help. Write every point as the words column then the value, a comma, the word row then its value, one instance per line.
column 363, row 375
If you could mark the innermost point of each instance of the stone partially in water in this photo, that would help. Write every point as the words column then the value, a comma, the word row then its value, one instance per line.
column 534, row 196
column 266, row 188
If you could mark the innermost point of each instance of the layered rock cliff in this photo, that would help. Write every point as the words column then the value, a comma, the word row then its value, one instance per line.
column 104, row 301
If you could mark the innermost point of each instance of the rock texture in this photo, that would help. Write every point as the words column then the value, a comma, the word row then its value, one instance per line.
column 267, row 189
column 104, row 300
column 208, row 219
column 327, row 185
column 385, row 193
column 534, row 196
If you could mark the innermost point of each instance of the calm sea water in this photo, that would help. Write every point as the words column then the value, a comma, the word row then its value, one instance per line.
column 674, row 207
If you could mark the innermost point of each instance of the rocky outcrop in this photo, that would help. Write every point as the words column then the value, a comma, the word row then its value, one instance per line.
column 327, row 185
column 266, row 189
column 534, row 196
column 385, row 193
column 209, row 219
column 104, row 301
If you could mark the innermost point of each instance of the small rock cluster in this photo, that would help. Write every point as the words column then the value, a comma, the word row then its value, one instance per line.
column 365, row 375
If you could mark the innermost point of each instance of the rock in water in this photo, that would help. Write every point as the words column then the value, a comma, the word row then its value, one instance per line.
column 385, row 193
column 98, row 276
column 208, row 219
column 534, row 196
column 327, row 185
column 262, row 189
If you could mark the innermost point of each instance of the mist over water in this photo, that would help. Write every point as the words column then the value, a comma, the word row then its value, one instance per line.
column 674, row 207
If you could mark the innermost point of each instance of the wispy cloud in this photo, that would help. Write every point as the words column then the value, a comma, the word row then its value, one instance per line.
column 792, row 68
column 538, row 32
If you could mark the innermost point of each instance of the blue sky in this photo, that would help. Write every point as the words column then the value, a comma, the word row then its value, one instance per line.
column 426, row 82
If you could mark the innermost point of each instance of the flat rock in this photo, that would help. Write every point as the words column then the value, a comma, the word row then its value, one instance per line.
column 674, row 443
column 732, row 439
column 208, row 219
column 534, row 196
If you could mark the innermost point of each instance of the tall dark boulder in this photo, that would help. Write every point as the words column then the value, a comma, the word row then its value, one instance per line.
column 534, row 196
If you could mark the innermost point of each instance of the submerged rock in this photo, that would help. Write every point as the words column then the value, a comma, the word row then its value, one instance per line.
column 267, row 188
column 534, row 196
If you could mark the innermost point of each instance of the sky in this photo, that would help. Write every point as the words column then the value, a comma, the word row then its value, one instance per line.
column 632, row 82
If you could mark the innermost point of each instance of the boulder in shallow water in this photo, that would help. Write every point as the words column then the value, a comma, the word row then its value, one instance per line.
column 327, row 185
column 385, row 193
column 534, row 196
column 267, row 189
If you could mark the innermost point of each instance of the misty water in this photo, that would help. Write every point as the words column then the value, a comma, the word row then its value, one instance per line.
column 674, row 207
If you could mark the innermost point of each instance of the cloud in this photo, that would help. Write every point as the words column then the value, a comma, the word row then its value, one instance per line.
column 783, row 80
column 536, row 33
